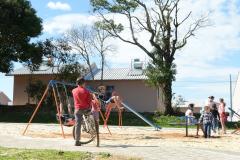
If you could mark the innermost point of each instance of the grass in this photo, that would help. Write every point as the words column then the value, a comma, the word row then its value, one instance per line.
column 30, row 154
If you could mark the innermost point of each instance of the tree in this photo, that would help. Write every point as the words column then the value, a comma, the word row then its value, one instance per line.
column 178, row 101
column 162, row 24
column 35, row 90
column 70, row 72
column 63, row 63
column 18, row 24
column 79, row 38
column 58, row 53
column 99, row 40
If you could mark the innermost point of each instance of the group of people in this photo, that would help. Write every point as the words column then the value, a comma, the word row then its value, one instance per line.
column 84, row 101
column 211, row 114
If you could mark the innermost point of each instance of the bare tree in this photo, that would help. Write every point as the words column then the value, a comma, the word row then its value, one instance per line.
column 160, row 19
column 101, row 44
column 79, row 38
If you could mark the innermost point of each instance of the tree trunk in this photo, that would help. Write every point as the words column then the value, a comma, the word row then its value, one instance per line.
column 90, row 69
column 164, row 98
column 102, row 65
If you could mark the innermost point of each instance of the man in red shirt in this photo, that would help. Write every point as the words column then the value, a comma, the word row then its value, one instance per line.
column 82, row 104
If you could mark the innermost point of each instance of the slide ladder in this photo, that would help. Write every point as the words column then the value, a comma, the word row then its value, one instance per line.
column 140, row 116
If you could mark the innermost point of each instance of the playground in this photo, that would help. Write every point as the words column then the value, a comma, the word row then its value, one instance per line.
column 142, row 142
column 131, row 141
column 150, row 142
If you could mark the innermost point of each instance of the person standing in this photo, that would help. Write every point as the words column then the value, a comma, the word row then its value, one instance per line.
column 189, row 113
column 206, row 119
column 210, row 102
column 221, row 110
column 216, row 117
column 82, row 104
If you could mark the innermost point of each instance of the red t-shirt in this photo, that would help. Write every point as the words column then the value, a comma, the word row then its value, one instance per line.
column 82, row 98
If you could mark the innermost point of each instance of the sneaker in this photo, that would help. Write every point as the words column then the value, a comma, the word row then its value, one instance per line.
column 77, row 143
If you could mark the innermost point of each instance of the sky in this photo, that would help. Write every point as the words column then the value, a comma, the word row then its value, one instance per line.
column 204, row 65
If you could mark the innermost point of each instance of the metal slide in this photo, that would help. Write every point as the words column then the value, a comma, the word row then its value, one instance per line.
column 140, row 116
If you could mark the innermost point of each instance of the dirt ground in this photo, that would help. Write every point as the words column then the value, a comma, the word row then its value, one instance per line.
column 130, row 141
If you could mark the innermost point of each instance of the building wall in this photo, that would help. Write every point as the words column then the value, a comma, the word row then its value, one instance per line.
column 236, row 98
column 20, row 82
column 4, row 99
column 134, row 93
column 195, row 109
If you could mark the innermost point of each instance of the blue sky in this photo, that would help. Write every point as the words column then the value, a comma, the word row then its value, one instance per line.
column 203, row 65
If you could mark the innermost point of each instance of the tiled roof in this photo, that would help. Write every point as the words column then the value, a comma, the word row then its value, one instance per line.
column 118, row 74
column 41, row 71
column 109, row 73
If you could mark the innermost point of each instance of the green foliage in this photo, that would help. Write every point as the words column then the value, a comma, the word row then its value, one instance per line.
column 18, row 24
column 165, row 121
column 117, row 6
column 22, row 114
column 57, row 52
column 35, row 90
column 46, row 154
column 28, row 154
column 129, row 119
column 104, row 155
column 110, row 25
column 70, row 72
column 160, row 73
column 161, row 21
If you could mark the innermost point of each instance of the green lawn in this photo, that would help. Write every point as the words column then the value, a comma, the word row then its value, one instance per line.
column 27, row 154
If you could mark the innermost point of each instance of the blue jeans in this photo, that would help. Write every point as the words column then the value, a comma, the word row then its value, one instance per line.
column 207, row 129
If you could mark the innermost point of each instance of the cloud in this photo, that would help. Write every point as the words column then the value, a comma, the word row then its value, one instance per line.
column 62, row 23
column 59, row 6
column 210, row 45
column 202, row 59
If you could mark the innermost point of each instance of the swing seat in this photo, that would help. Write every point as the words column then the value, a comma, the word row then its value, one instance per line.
column 67, row 120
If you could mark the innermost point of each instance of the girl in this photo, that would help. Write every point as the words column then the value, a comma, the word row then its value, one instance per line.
column 221, row 110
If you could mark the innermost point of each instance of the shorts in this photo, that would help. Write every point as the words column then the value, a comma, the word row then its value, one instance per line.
column 95, row 115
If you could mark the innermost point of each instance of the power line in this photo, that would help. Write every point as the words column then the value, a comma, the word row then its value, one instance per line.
column 203, row 82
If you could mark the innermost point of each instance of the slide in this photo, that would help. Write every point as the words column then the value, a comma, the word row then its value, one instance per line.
column 143, row 118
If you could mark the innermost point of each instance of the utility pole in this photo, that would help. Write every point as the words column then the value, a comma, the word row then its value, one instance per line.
column 231, row 96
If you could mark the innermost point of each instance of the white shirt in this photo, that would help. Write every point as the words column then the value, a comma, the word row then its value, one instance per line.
column 189, row 112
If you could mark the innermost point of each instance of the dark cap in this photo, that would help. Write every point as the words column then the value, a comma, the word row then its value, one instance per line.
column 80, row 80
column 211, row 97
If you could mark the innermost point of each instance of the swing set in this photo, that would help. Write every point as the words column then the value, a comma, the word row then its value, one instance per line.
column 66, row 116
column 63, row 99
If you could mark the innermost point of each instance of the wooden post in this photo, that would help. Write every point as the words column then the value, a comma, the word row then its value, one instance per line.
column 35, row 111
column 58, row 110
column 186, row 118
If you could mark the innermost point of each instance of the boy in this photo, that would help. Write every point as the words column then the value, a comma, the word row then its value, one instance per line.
column 206, row 119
